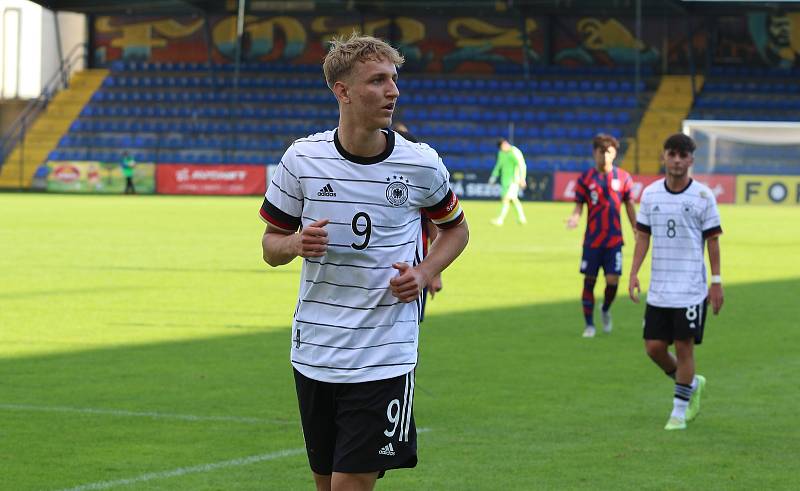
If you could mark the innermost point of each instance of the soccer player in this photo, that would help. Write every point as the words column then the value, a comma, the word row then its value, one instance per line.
column 128, row 163
column 356, row 194
column 429, row 231
column 511, row 170
column 680, row 215
column 603, row 188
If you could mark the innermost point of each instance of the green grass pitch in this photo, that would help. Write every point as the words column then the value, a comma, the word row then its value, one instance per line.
column 144, row 346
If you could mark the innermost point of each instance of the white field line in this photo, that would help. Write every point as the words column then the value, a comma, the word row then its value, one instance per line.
column 140, row 414
column 182, row 471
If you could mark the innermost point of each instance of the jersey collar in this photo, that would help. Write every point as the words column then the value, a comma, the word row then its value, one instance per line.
column 677, row 192
column 389, row 134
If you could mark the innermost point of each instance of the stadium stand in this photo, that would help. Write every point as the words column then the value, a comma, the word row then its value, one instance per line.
column 749, row 94
column 740, row 93
column 200, row 113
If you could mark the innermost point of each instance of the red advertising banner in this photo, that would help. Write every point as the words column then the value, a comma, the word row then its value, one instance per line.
column 564, row 185
column 210, row 179
column 723, row 186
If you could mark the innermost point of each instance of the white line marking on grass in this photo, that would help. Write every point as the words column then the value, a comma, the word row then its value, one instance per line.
column 144, row 414
column 182, row 471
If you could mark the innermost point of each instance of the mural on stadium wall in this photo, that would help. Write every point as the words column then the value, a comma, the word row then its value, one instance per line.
column 457, row 44
column 593, row 41
column 759, row 38
column 776, row 37
column 120, row 38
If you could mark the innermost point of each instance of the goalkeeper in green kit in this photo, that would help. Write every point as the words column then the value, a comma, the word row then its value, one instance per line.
column 510, row 167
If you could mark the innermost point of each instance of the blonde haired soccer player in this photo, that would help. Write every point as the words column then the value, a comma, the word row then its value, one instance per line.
column 356, row 194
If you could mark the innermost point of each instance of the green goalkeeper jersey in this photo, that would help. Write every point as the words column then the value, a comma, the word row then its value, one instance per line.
column 510, row 167
column 128, row 164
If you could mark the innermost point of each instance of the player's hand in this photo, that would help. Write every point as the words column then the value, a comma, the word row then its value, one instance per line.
column 435, row 285
column 523, row 184
column 312, row 241
column 572, row 221
column 408, row 284
column 716, row 296
column 633, row 288
column 492, row 180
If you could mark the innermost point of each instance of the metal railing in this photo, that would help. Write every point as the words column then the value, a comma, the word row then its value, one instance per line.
column 15, row 135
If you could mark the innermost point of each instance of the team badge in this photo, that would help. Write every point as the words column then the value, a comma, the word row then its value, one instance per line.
column 397, row 191
column 687, row 207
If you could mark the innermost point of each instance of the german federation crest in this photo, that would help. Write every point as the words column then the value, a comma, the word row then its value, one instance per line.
column 397, row 191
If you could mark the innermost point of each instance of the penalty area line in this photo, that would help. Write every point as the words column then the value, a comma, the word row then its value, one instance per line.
column 139, row 414
column 182, row 471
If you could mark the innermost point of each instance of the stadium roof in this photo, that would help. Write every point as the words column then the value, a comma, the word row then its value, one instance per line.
column 161, row 7
column 136, row 6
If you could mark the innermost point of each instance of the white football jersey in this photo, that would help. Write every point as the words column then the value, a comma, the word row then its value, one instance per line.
column 678, row 224
column 348, row 327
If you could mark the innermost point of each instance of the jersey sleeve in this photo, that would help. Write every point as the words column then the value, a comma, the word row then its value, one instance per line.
column 581, row 191
column 643, row 220
column 441, row 205
column 711, row 221
column 522, row 167
column 283, row 201
column 627, row 188
column 496, row 169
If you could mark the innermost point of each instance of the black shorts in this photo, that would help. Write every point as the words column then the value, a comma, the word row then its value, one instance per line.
column 669, row 324
column 358, row 428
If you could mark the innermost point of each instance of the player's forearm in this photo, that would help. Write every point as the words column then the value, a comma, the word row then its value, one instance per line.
column 631, row 211
column 278, row 248
column 713, row 255
column 444, row 250
column 639, row 251
column 433, row 230
column 576, row 212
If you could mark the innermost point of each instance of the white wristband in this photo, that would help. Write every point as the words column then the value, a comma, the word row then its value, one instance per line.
column 715, row 278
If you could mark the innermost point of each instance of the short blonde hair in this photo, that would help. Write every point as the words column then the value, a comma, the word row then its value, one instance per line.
column 345, row 53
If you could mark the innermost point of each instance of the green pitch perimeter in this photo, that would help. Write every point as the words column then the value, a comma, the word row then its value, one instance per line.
column 144, row 345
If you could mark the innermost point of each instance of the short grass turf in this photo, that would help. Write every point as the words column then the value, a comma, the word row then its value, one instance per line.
column 144, row 345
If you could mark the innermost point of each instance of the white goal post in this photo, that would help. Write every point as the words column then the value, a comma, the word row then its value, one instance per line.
column 749, row 147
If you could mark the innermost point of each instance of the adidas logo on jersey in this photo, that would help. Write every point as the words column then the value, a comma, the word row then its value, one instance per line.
column 326, row 191
column 387, row 450
column 656, row 208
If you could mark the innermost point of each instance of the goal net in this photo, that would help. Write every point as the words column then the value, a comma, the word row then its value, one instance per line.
column 745, row 147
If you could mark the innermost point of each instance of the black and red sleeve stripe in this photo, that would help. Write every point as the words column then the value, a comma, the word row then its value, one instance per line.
column 276, row 217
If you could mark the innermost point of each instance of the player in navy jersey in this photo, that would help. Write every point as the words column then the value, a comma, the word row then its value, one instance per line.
column 356, row 193
column 429, row 231
column 604, row 188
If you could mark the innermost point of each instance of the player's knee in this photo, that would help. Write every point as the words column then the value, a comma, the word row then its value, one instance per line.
column 655, row 349
column 684, row 348
column 347, row 481
column 322, row 481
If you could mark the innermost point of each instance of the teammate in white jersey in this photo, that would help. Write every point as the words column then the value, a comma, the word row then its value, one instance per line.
column 356, row 193
column 680, row 215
